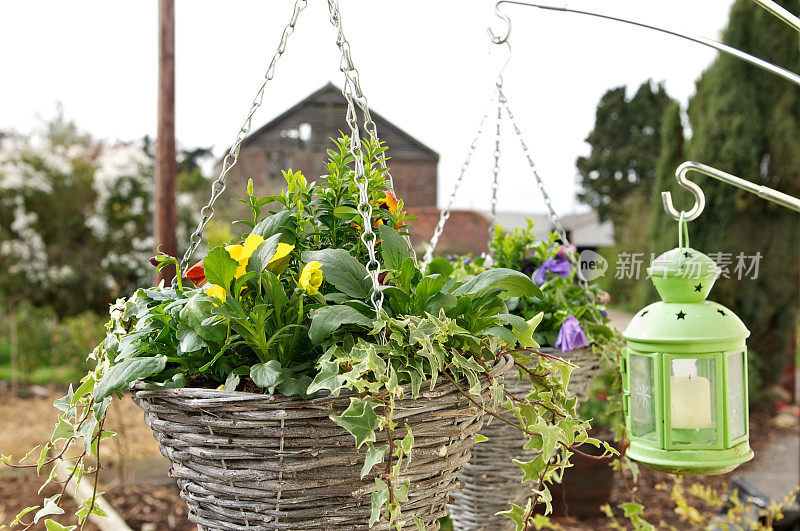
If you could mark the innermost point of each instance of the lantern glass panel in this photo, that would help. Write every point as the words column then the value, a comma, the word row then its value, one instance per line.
column 692, row 394
column 736, row 397
column 643, row 404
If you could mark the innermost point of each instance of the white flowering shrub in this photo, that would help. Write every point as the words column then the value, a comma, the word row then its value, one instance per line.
column 76, row 222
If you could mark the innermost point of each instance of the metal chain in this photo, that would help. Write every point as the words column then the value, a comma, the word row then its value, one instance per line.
column 501, row 100
column 368, row 236
column 554, row 220
column 218, row 186
column 370, row 127
column 445, row 214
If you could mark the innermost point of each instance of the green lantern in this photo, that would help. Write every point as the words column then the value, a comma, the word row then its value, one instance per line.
column 685, row 372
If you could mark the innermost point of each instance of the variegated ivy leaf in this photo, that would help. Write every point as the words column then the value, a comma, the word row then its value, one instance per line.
column 517, row 514
column 50, row 507
column 380, row 496
column 360, row 420
column 328, row 378
column 374, row 457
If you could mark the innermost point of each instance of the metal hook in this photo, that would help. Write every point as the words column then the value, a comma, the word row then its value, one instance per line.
column 764, row 192
column 501, row 40
column 697, row 192
column 504, row 18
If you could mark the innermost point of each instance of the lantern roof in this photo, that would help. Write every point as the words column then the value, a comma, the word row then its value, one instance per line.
column 686, row 322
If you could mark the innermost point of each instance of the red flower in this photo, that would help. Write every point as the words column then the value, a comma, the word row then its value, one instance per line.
column 196, row 274
column 602, row 395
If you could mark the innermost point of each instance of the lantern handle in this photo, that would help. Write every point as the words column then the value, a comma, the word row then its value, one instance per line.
column 683, row 231
column 785, row 200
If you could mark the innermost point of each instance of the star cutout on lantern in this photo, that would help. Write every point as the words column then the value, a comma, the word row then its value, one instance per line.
column 681, row 315
column 721, row 313
column 687, row 254
column 643, row 313
column 698, row 287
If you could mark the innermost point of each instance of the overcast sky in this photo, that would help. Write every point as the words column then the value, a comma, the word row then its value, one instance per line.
column 425, row 65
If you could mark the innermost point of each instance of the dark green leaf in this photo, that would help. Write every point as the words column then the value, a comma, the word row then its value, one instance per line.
column 343, row 271
column 511, row 284
column 123, row 374
column 274, row 224
column 328, row 319
column 394, row 249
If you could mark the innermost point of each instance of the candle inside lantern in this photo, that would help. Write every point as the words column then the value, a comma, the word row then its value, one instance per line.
column 690, row 397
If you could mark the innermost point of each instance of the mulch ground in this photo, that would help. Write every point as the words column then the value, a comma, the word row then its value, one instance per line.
column 29, row 421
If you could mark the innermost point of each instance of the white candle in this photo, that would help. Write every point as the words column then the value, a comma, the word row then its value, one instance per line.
column 690, row 402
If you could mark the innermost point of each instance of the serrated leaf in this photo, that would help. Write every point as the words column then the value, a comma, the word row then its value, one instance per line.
column 360, row 420
column 374, row 457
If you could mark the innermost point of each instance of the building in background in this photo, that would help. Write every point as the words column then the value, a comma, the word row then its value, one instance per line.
column 299, row 138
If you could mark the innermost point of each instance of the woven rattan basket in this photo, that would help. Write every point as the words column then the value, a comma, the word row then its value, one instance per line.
column 491, row 479
column 261, row 462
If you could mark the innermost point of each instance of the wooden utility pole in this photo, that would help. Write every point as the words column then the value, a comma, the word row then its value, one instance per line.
column 166, row 164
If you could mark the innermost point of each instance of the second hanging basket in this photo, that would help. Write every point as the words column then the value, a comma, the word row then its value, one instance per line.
column 491, row 479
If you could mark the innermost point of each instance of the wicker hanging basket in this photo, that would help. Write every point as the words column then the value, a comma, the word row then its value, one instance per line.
column 256, row 462
column 491, row 479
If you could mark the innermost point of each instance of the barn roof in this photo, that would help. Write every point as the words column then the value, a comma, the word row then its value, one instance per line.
column 330, row 93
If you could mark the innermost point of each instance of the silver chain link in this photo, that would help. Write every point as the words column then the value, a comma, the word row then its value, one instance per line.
column 501, row 100
column 554, row 220
column 218, row 186
column 445, row 214
column 351, row 86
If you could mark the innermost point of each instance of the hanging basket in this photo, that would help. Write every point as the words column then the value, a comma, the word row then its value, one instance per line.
column 491, row 479
column 264, row 462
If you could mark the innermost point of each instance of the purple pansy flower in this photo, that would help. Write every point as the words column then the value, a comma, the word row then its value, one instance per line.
column 551, row 265
column 571, row 335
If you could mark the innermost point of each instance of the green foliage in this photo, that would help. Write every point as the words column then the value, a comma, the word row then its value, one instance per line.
column 76, row 219
column 625, row 144
column 558, row 296
column 746, row 122
column 258, row 313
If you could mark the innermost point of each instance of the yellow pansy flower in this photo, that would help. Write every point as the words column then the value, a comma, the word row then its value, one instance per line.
column 214, row 290
column 242, row 253
column 280, row 260
column 311, row 278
